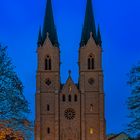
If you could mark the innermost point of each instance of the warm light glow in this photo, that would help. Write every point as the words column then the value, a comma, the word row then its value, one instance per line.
column 91, row 131
column 70, row 88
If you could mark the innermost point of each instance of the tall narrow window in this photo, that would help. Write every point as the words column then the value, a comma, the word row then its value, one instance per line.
column 91, row 107
column 48, row 65
column 48, row 130
column 75, row 98
column 69, row 98
column 90, row 62
column 63, row 98
column 48, row 107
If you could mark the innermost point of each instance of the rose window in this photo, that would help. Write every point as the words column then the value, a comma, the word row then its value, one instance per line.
column 69, row 113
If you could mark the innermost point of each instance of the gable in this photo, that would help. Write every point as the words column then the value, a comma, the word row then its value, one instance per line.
column 70, row 87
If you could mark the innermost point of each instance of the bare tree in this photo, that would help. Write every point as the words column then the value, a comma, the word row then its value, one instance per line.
column 14, row 107
column 134, row 100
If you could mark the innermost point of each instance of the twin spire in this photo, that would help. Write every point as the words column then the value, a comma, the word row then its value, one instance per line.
column 89, row 26
column 48, row 27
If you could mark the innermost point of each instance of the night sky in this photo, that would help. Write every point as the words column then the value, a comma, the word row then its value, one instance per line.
column 120, row 28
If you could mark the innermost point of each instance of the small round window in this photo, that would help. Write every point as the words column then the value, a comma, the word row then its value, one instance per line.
column 69, row 113
column 91, row 81
column 48, row 82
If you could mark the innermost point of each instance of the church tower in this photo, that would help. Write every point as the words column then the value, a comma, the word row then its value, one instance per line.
column 91, row 79
column 69, row 111
column 47, row 79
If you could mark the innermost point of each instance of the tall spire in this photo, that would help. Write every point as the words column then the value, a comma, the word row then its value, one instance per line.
column 89, row 24
column 49, row 26
column 39, row 42
column 99, row 39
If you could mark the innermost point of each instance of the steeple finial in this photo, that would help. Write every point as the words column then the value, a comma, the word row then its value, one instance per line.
column 89, row 24
column 49, row 25
column 39, row 42
column 99, row 39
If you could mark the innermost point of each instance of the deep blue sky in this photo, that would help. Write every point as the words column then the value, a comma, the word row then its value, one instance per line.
column 120, row 27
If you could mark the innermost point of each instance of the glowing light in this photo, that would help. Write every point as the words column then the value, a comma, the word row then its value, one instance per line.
column 91, row 131
column 70, row 88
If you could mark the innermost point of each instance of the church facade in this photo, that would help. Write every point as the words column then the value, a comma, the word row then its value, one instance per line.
column 70, row 111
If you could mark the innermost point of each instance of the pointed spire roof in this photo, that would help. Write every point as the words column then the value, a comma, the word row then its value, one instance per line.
column 99, row 39
column 69, row 73
column 49, row 26
column 89, row 24
column 39, row 42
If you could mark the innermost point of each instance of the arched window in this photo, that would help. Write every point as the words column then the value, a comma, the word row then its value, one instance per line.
column 90, row 62
column 63, row 98
column 69, row 98
column 75, row 98
column 48, row 65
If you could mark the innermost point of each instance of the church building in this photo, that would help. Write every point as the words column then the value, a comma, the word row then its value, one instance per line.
column 70, row 111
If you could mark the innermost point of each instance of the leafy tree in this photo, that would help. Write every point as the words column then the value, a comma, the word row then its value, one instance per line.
column 14, row 107
column 134, row 100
